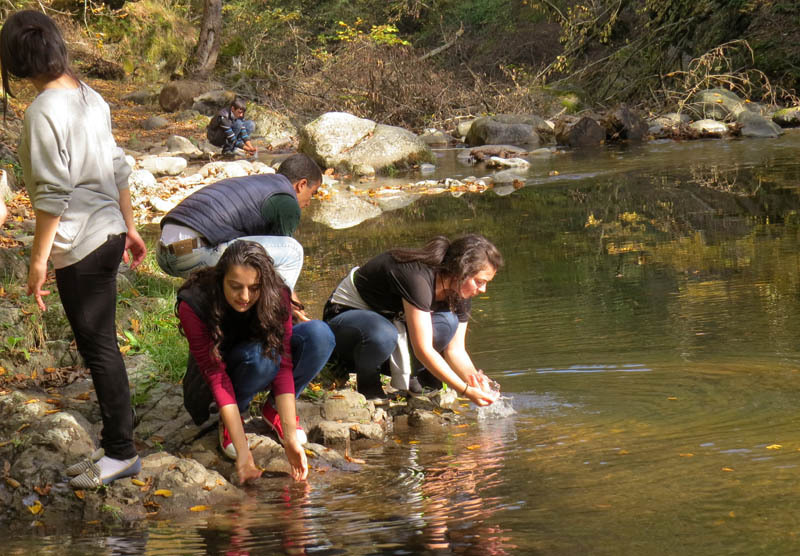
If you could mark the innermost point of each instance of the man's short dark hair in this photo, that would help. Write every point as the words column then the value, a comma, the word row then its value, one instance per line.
column 239, row 103
column 299, row 166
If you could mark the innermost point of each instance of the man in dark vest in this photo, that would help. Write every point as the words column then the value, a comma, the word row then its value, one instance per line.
column 264, row 208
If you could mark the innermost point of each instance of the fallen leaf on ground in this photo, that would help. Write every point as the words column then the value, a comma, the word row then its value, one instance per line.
column 80, row 494
column 166, row 493
column 13, row 483
column 36, row 508
column 138, row 482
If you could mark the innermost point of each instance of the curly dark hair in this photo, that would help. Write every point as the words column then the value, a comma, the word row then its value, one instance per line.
column 460, row 259
column 270, row 311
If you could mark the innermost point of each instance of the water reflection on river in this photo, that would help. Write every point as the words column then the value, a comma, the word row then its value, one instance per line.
column 645, row 325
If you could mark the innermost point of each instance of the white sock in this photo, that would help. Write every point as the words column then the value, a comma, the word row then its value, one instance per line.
column 110, row 466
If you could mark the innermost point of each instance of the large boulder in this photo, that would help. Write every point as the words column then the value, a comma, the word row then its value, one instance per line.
column 579, row 132
column 522, row 130
column 343, row 141
column 721, row 104
column 274, row 127
column 787, row 117
column 180, row 95
column 756, row 125
column 623, row 124
column 211, row 102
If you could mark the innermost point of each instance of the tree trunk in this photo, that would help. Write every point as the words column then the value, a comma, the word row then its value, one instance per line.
column 205, row 57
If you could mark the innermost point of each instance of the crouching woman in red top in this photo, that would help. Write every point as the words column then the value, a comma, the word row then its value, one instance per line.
column 238, row 321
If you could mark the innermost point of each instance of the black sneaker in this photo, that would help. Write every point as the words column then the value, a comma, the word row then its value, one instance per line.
column 372, row 389
column 427, row 380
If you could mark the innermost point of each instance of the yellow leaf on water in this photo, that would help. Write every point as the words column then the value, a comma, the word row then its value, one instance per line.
column 198, row 508
column 728, row 469
column 774, row 447
column 473, row 447
column 732, row 514
column 460, row 434
column 687, row 455
column 413, row 441
column 672, row 398
column 36, row 508
column 163, row 492
column 138, row 482
column 622, row 453
column 465, row 425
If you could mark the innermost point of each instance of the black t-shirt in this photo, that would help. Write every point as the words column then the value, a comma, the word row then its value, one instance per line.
column 383, row 284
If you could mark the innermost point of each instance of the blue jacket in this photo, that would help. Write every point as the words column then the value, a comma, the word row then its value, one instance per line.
column 230, row 208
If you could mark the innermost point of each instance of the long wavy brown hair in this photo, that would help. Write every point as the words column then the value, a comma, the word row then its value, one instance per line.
column 460, row 259
column 267, row 315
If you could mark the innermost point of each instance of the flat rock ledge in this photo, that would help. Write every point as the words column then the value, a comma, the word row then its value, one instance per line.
column 183, row 471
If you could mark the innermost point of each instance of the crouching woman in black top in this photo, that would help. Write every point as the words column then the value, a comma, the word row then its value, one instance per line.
column 417, row 298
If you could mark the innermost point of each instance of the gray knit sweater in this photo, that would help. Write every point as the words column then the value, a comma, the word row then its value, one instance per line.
column 73, row 169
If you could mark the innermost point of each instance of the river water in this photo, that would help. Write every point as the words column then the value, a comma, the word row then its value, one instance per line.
column 645, row 326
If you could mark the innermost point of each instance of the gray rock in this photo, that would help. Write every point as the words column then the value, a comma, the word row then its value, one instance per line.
column 787, row 117
column 462, row 129
column 164, row 165
column 155, row 122
column 709, row 128
column 421, row 418
column 211, row 102
column 579, row 132
column 345, row 405
column 142, row 97
column 396, row 200
column 13, row 265
column 624, row 124
column 435, row 138
column 343, row 210
column 179, row 95
column 142, row 182
column 7, row 182
column 182, row 146
column 341, row 140
column 756, row 125
column 720, row 104
column 524, row 131
column 274, row 127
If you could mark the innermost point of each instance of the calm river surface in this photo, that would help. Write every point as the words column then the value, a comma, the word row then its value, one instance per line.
column 646, row 326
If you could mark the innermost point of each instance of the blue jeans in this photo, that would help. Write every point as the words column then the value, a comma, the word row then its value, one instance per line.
column 365, row 339
column 242, row 129
column 286, row 253
column 251, row 372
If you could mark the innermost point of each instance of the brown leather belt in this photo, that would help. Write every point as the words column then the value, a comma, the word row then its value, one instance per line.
column 184, row 246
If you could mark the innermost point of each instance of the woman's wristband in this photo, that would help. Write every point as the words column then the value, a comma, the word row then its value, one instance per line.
column 466, row 387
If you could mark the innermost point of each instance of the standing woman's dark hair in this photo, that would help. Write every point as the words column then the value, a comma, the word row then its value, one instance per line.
column 31, row 46
column 270, row 309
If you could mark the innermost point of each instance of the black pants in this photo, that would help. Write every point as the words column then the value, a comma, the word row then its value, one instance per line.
column 88, row 291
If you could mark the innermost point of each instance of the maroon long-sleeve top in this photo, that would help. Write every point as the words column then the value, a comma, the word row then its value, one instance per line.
column 213, row 368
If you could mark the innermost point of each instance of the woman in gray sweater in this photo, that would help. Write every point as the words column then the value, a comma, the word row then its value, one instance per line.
column 77, row 179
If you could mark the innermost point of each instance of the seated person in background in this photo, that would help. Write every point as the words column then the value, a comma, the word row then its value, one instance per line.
column 229, row 130
column 417, row 298
column 237, row 319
